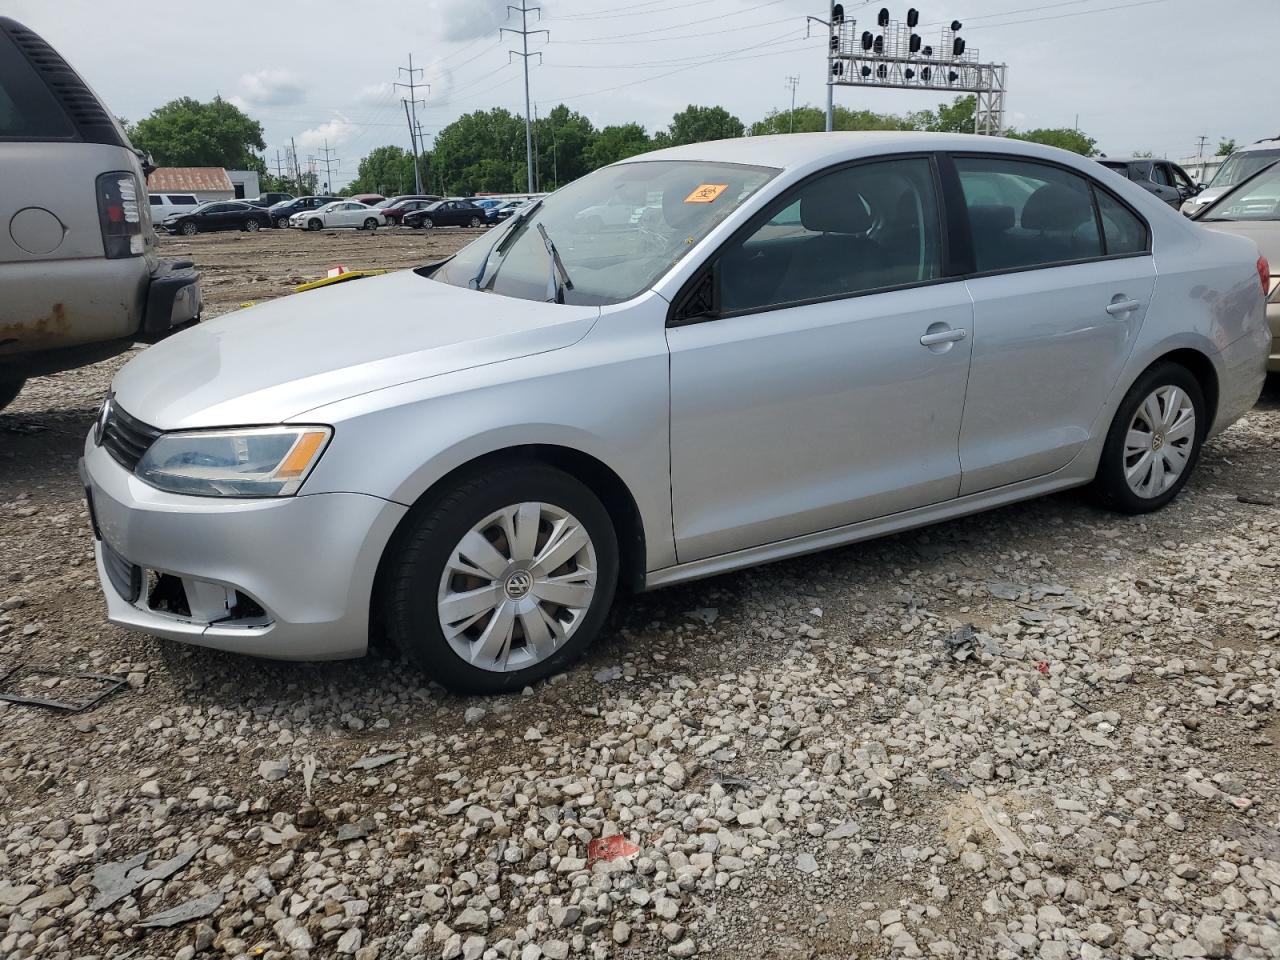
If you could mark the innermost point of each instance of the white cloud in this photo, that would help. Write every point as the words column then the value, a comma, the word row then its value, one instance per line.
column 374, row 93
column 469, row 19
column 269, row 88
column 335, row 131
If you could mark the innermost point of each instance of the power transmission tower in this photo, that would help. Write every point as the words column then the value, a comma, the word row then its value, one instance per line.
column 411, row 114
column 524, row 33
column 279, row 169
column 793, row 82
column 327, row 161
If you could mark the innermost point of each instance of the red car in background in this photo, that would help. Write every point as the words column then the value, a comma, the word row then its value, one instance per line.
column 394, row 208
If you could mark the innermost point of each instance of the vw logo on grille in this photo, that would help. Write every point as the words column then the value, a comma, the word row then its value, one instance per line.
column 519, row 584
column 100, row 425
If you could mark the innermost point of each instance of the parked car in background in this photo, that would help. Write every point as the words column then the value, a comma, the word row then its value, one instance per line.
column 446, row 213
column 340, row 213
column 372, row 199
column 505, row 210
column 1252, row 209
column 396, row 207
column 218, row 215
column 270, row 199
column 1241, row 165
column 1166, row 180
column 79, row 269
column 164, row 205
column 553, row 413
column 281, row 212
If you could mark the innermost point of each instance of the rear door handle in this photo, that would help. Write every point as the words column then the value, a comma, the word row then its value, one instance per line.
column 1121, row 307
column 943, row 336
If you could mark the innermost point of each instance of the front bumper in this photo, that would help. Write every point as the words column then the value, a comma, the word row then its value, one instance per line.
column 303, row 566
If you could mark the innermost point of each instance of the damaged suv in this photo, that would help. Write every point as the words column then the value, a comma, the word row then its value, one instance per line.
column 78, row 263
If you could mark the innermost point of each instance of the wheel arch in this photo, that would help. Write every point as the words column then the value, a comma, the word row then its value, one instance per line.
column 598, row 477
column 1201, row 367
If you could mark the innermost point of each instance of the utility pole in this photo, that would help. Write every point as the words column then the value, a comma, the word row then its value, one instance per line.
column 422, row 149
column 279, row 169
column 297, row 173
column 831, row 87
column 411, row 115
column 793, row 82
column 537, row 152
column 1200, row 147
column 327, row 161
column 524, row 33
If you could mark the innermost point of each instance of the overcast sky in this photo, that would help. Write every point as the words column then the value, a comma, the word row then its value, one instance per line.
column 1140, row 74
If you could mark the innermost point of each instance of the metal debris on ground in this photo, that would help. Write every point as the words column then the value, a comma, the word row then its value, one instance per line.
column 381, row 760
column 108, row 686
column 707, row 615
column 616, row 847
column 185, row 912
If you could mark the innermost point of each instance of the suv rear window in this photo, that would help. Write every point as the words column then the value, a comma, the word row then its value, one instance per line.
column 28, row 111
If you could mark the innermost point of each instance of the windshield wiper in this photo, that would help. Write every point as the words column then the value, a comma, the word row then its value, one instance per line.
column 559, row 281
column 505, row 241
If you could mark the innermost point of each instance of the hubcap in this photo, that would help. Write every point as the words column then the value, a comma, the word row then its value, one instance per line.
column 1158, row 445
column 517, row 586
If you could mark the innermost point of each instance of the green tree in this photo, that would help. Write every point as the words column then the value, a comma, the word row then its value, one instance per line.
column 698, row 124
column 387, row 170
column 616, row 143
column 1226, row 147
column 563, row 138
column 480, row 151
column 1063, row 137
column 188, row 133
column 807, row 119
column 958, row 116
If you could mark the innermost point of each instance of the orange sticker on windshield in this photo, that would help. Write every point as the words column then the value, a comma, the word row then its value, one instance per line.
column 706, row 193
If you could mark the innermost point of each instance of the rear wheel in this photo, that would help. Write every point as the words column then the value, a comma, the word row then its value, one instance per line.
column 279, row 222
column 371, row 224
column 189, row 229
column 503, row 580
column 1154, row 441
column 476, row 221
column 314, row 224
column 9, row 390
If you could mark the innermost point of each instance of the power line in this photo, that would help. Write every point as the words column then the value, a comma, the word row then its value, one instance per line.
column 692, row 36
column 328, row 161
column 632, row 11
column 675, row 26
column 1064, row 16
column 524, row 33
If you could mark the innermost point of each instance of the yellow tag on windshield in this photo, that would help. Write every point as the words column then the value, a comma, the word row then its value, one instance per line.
column 706, row 193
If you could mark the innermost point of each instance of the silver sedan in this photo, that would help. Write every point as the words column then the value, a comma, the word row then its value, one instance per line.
column 806, row 341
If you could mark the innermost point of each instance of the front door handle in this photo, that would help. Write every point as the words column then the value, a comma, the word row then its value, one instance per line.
column 1121, row 307
column 943, row 336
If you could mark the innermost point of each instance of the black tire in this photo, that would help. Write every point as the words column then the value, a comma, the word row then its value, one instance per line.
column 278, row 222
column 476, row 222
column 1110, row 485
column 9, row 390
column 417, row 556
column 371, row 224
column 189, row 229
column 314, row 224
column 426, row 223
column 252, row 226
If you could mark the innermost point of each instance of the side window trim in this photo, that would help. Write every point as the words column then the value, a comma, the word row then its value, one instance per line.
column 690, row 292
column 950, row 156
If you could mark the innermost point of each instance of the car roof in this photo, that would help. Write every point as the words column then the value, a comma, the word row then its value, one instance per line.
column 1131, row 159
column 1270, row 144
column 805, row 150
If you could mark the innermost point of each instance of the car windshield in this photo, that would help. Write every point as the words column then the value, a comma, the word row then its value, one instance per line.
column 1259, row 199
column 1243, row 165
column 669, row 204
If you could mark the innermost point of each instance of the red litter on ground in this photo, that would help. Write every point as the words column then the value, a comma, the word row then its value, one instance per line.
column 1043, row 667
column 616, row 847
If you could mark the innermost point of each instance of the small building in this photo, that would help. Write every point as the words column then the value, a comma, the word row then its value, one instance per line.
column 245, row 184
column 206, row 183
column 1202, row 169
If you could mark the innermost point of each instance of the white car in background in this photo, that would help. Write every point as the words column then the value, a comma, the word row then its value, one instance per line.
column 168, row 204
column 340, row 213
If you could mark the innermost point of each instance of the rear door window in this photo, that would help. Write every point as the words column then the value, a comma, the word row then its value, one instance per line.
column 182, row 200
column 28, row 111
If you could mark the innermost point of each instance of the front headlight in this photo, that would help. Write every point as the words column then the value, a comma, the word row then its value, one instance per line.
column 255, row 462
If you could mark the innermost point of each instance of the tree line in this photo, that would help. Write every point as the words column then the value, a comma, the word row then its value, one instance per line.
column 484, row 151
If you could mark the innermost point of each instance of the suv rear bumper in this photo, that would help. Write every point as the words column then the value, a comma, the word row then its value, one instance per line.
column 173, row 298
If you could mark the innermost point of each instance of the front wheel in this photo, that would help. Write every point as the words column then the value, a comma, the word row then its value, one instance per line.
column 501, row 581
column 426, row 223
column 371, row 224
column 189, row 229
column 314, row 224
column 279, row 222
column 252, row 225
column 9, row 390
column 476, row 221
column 1154, row 441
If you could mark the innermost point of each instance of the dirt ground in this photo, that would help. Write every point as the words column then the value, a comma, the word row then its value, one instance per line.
column 807, row 768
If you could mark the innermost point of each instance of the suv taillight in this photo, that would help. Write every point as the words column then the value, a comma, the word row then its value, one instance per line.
column 1264, row 274
column 120, row 215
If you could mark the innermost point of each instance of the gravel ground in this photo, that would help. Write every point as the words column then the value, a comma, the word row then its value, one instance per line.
column 812, row 759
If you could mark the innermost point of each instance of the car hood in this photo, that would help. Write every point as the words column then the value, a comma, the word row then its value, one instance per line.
column 269, row 363
column 1265, row 233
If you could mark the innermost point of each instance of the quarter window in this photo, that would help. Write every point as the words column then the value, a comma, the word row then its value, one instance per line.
column 867, row 227
column 1123, row 231
column 1026, row 214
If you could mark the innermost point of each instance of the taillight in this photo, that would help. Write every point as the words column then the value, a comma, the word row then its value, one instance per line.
column 120, row 215
column 1264, row 274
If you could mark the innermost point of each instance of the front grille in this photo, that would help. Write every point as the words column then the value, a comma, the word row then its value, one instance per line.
column 127, row 439
column 124, row 576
